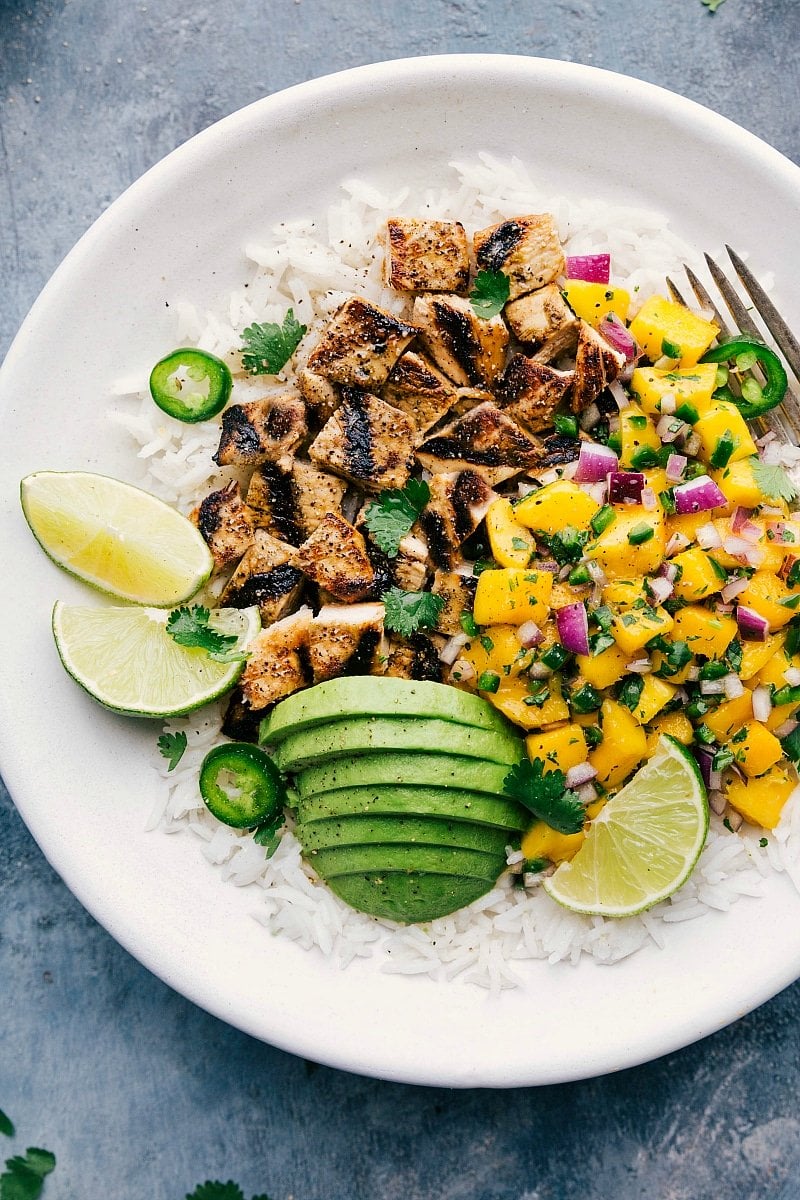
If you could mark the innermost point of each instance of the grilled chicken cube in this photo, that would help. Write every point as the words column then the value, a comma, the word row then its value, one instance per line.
column 321, row 396
column 468, row 348
column 265, row 577
column 360, row 345
column 278, row 662
column 226, row 523
column 458, row 503
column 544, row 319
column 487, row 439
column 335, row 557
column 346, row 639
column 292, row 503
column 596, row 365
column 527, row 249
column 410, row 566
column 531, row 392
column 418, row 388
column 458, row 597
column 424, row 255
column 415, row 657
column 366, row 441
column 258, row 431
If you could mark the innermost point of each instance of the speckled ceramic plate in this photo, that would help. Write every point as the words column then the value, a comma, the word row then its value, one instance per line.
column 80, row 775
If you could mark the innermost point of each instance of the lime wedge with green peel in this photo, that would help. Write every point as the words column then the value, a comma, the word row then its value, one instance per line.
column 115, row 536
column 126, row 659
column 643, row 844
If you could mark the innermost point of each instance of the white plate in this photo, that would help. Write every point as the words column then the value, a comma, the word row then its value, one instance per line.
column 80, row 775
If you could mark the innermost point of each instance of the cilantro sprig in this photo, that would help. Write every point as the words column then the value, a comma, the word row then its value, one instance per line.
column 489, row 293
column 268, row 348
column 407, row 612
column 6, row 1124
column 172, row 746
column 390, row 517
column 190, row 627
column 24, row 1176
column 546, row 795
column 773, row 481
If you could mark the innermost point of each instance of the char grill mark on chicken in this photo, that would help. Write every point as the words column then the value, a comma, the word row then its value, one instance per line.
column 530, row 392
column 226, row 523
column 261, row 431
column 426, row 255
column 345, row 640
column 266, row 578
column 466, row 347
column 335, row 557
column 488, row 440
column 458, row 503
column 526, row 249
column 597, row 364
column 360, row 345
column 278, row 662
column 420, row 390
column 367, row 441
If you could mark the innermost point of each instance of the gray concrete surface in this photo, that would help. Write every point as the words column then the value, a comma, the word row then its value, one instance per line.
column 140, row 1094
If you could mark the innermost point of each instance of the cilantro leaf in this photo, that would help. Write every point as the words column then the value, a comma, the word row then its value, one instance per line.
column 214, row 1190
column 489, row 293
column 172, row 746
column 268, row 348
column 23, row 1178
column 390, row 517
column 773, row 481
column 268, row 834
column 546, row 795
column 406, row 612
column 6, row 1124
column 190, row 627
column 713, row 5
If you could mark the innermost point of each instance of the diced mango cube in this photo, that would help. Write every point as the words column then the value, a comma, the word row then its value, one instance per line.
column 761, row 800
column 621, row 558
column 512, row 544
column 692, row 386
column 676, row 724
column 730, row 716
column 498, row 650
column 755, row 749
column 756, row 655
column 654, row 695
column 633, row 628
column 542, row 841
column 592, row 302
column 638, row 441
column 768, row 595
column 686, row 523
column 737, row 483
column 512, row 596
column 511, row 699
column 698, row 576
column 559, row 748
column 723, row 421
column 624, row 593
column 623, row 747
column 602, row 670
column 704, row 630
column 772, row 672
column 666, row 329
column 555, row 506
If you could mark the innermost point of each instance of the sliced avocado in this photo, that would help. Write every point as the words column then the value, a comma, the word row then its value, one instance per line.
column 448, row 803
column 412, row 770
column 363, row 734
column 408, row 897
column 384, row 831
column 438, row 860
column 378, row 696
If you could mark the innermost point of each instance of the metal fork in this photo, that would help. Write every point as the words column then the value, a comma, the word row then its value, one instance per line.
column 784, row 420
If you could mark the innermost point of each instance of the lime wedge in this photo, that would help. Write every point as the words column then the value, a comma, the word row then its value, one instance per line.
column 125, row 658
column 115, row 536
column 643, row 844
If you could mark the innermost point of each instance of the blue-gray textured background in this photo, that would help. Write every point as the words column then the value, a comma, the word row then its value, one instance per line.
column 139, row 1093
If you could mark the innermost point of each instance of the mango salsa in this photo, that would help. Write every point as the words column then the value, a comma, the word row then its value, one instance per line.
column 665, row 329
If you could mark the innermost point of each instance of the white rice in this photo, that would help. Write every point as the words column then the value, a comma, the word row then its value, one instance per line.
column 312, row 266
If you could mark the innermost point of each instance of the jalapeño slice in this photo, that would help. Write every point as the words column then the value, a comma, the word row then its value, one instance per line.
column 240, row 785
column 755, row 399
column 190, row 385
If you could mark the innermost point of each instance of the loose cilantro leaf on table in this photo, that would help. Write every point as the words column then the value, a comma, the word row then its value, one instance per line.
column 6, row 1125
column 390, row 517
column 172, row 746
column 268, row 348
column 214, row 1190
column 24, row 1176
column 406, row 612
column 773, row 481
column 489, row 293
column 546, row 795
column 190, row 627
column 713, row 5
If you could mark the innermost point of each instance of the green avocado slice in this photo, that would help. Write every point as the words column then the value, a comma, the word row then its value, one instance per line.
column 362, row 734
column 407, row 770
column 408, row 897
column 383, row 831
column 451, row 804
column 378, row 696
column 438, row 860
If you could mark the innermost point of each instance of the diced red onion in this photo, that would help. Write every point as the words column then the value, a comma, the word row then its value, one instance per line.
column 792, row 676
column 625, row 486
column 693, row 673
column 714, row 780
column 712, row 687
column 640, row 666
column 592, row 268
column 669, row 571
column 668, row 403
column 660, row 588
column 750, row 532
column 698, row 495
column 595, row 462
column 717, row 802
column 587, row 793
column 737, row 547
column 768, row 437
column 449, row 652
column 620, row 395
column 565, row 572
column 786, row 727
column 649, row 499
column 762, row 703
column 693, row 445
column 676, row 466
column 734, row 688
column 539, row 670
column 618, row 336
column 752, row 626
column 461, row 671
column 590, row 417
column 708, row 537
column 598, row 575
column 779, row 531
column 573, row 628
column 768, row 511
column 598, row 491
column 679, row 541
column 529, row 634
column 548, row 564
column 579, row 775
column 568, row 471
column 740, row 517
column 726, row 609
column 669, row 429
column 704, row 757
column 734, row 819
column 732, row 589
